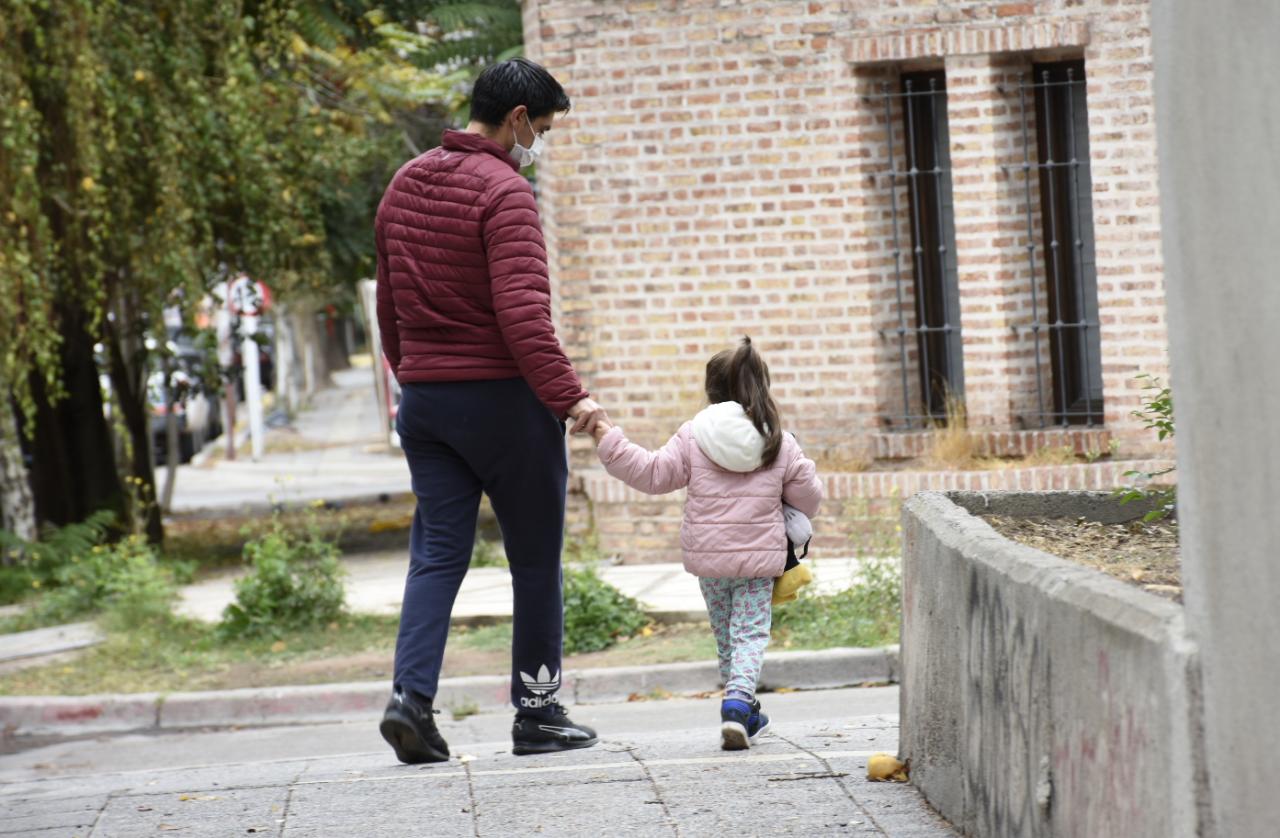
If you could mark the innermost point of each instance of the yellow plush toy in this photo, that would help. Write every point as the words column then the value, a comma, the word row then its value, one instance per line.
column 795, row 575
column 787, row 586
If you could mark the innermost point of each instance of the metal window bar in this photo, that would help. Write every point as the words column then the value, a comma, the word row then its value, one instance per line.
column 936, row 331
column 1070, row 318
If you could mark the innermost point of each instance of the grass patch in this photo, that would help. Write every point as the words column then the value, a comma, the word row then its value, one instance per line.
column 178, row 655
column 953, row 447
column 183, row 655
column 866, row 615
column 494, row 638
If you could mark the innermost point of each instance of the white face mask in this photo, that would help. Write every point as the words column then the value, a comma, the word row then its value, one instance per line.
column 527, row 156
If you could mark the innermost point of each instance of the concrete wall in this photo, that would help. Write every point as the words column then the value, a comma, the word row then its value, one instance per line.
column 1218, row 80
column 1041, row 697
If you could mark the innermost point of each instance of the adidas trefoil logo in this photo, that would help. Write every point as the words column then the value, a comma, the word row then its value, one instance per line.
column 544, row 683
column 543, row 687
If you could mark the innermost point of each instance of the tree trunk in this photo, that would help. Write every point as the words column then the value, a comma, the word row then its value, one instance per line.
column 17, row 506
column 73, row 461
column 129, row 378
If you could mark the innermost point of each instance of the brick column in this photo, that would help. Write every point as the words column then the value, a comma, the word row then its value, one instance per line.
column 993, row 271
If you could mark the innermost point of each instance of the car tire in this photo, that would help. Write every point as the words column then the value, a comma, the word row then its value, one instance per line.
column 186, row 447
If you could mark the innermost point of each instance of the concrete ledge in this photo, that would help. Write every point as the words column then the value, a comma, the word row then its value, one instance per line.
column 58, row 716
column 1041, row 697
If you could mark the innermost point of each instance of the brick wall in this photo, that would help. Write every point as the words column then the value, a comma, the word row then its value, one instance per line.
column 721, row 174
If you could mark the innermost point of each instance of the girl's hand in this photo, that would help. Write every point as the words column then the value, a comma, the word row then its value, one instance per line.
column 603, row 426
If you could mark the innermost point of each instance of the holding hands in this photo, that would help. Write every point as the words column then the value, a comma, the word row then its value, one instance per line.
column 590, row 418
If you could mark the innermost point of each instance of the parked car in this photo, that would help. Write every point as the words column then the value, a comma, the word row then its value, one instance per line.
column 197, row 408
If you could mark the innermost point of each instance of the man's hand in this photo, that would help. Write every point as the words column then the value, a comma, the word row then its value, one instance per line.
column 585, row 415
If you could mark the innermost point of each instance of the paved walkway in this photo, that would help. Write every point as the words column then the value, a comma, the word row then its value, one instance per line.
column 657, row 772
column 332, row 451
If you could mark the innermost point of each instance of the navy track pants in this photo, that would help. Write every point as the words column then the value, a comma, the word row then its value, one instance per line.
column 495, row 437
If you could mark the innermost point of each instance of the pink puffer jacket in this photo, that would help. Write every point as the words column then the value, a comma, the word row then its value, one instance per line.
column 733, row 511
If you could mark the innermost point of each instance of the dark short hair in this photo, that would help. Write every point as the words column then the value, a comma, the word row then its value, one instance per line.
column 508, row 84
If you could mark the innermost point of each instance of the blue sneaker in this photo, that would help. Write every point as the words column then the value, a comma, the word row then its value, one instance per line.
column 757, row 722
column 735, row 719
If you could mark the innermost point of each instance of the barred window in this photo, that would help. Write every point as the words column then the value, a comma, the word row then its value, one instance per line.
column 926, row 335
column 1066, row 341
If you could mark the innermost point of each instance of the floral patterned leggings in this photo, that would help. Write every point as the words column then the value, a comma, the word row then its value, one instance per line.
column 741, row 611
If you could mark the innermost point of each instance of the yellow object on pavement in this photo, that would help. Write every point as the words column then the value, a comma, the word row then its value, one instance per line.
column 887, row 767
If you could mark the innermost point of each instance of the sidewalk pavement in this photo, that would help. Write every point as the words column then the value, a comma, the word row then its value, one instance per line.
column 375, row 585
column 340, row 455
column 658, row 771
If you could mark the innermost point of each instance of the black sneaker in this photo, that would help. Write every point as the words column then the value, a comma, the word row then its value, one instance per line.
column 548, row 732
column 409, row 726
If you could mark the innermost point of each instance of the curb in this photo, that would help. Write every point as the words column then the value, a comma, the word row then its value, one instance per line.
column 362, row 497
column 23, row 716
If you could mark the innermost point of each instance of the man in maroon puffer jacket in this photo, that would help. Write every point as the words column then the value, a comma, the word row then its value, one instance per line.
column 464, row 307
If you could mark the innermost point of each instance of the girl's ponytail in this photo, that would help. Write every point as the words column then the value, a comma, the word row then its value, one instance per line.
column 748, row 380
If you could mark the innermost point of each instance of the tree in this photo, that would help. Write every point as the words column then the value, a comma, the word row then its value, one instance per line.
column 150, row 148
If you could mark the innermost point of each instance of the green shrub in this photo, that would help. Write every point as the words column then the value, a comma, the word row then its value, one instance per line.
column 596, row 614
column 1156, row 415
column 125, row 579
column 866, row 614
column 34, row 565
column 293, row 582
column 486, row 553
column 582, row 549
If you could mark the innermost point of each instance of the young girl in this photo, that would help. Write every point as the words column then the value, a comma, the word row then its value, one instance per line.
column 739, row 468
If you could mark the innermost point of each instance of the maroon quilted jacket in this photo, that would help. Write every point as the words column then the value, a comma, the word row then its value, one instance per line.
column 463, row 293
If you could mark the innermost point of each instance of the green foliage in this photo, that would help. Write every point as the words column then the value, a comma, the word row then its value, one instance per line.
column 126, row 580
column 34, row 565
column 596, row 614
column 1157, row 415
column 487, row 554
column 293, row 582
column 866, row 614
column 582, row 549
column 151, row 148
